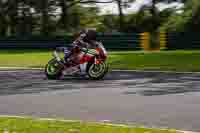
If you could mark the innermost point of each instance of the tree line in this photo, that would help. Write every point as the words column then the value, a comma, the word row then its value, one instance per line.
column 61, row 17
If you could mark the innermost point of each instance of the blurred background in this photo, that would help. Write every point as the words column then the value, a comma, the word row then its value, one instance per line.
column 61, row 17
column 141, row 34
column 150, row 24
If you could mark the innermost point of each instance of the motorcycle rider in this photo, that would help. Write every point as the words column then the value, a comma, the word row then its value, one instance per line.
column 85, row 39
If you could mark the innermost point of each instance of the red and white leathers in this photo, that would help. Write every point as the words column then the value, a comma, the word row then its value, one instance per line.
column 82, row 42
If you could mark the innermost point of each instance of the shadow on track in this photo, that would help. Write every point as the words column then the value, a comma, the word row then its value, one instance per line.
column 157, row 83
column 140, row 83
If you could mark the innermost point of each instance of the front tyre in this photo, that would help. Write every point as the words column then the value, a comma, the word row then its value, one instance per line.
column 53, row 69
column 97, row 71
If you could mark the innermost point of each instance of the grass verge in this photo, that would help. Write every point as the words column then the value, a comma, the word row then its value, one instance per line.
column 29, row 125
column 137, row 60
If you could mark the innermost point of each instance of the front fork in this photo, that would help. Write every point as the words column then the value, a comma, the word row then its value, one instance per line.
column 55, row 54
column 58, row 59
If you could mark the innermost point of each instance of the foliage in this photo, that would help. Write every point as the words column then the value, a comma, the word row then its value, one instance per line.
column 58, row 17
column 188, row 20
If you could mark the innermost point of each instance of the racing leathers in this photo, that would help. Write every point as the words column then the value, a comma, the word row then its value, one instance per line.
column 81, row 42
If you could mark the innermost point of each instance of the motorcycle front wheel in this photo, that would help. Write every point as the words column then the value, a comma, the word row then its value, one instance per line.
column 97, row 71
column 53, row 69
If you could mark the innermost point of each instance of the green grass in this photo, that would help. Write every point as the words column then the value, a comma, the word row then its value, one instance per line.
column 24, row 58
column 165, row 60
column 137, row 60
column 28, row 125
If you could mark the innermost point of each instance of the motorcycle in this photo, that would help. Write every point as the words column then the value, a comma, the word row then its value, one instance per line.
column 95, row 60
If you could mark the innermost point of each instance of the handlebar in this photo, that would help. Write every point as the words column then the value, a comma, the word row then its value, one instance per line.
column 83, row 49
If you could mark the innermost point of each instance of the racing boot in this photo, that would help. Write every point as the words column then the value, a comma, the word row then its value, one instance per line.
column 83, row 69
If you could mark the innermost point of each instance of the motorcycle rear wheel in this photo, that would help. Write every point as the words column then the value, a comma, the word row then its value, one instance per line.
column 97, row 71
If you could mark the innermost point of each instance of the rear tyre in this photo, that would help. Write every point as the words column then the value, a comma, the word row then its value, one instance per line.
column 97, row 71
column 53, row 69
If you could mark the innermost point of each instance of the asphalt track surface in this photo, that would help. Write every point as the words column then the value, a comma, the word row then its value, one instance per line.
column 152, row 99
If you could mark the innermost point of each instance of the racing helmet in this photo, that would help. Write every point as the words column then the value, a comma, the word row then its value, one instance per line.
column 91, row 34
